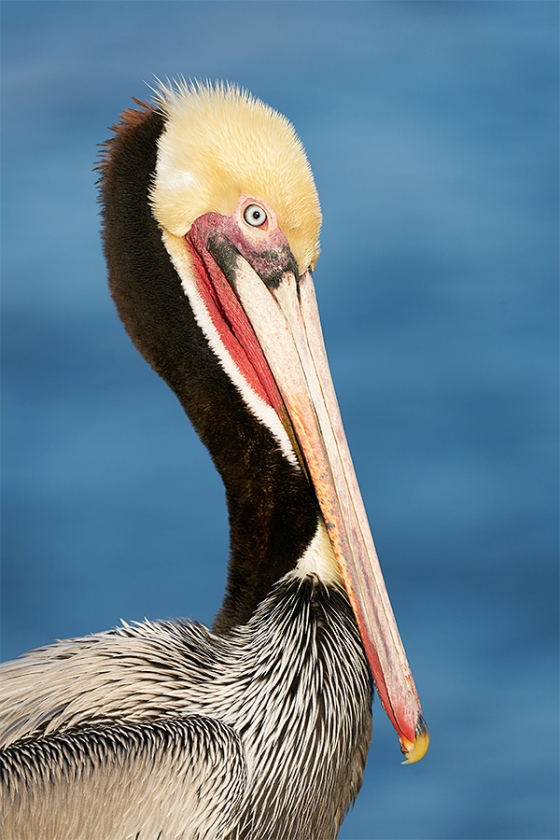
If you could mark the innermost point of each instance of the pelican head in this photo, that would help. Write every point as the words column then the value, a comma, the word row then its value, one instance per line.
column 221, row 143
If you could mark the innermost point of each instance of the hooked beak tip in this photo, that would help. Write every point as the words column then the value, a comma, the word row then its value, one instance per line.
column 414, row 751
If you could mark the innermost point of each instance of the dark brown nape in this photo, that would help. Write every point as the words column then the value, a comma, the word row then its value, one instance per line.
column 272, row 509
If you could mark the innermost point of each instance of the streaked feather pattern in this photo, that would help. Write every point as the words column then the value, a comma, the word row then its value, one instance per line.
column 287, row 696
column 84, row 784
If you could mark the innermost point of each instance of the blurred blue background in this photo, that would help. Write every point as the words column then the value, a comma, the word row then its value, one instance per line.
column 432, row 130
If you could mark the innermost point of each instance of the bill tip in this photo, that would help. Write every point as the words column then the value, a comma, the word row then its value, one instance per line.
column 414, row 751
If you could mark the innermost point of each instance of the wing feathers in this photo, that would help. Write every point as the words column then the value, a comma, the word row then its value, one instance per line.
column 170, row 779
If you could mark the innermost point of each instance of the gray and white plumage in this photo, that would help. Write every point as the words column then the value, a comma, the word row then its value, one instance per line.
column 85, row 785
column 159, row 705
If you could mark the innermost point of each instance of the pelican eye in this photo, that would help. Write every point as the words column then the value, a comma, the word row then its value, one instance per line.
column 254, row 215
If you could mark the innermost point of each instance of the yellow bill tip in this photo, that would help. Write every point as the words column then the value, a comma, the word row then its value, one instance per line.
column 414, row 751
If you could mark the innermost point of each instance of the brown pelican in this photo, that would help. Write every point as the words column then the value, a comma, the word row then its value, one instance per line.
column 260, row 727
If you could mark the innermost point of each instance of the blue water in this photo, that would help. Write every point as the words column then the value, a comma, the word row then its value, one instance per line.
column 432, row 129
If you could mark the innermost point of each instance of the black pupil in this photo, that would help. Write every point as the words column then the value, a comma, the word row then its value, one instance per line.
column 256, row 215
